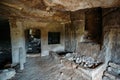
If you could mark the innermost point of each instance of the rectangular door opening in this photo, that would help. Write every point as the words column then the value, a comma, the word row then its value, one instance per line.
column 33, row 41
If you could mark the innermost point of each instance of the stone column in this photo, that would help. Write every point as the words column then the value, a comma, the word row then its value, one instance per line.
column 44, row 42
column 17, row 40
column 21, row 56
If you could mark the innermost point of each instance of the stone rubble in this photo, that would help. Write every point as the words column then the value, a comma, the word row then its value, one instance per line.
column 82, row 60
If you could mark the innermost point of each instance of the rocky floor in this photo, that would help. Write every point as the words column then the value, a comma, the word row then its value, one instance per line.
column 46, row 68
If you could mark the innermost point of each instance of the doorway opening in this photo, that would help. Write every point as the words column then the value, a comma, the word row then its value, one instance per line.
column 5, row 44
column 33, row 41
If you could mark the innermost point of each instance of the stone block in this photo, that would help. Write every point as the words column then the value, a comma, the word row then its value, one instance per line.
column 117, row 66
column 117, row 78
column 7, row 74
column 113, row 70
column 112, row 77
column 89, row 49
column 106, row 78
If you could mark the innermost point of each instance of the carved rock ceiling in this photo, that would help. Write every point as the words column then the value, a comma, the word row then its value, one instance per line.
column 57, row 10
column 70, row 5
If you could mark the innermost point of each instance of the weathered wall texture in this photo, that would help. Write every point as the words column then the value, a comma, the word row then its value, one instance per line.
column 74, row 30
column 89, row 49
column 111, row 23
column 115, row 45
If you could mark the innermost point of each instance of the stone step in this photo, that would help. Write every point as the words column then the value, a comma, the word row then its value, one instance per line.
column 106, row 78
column 113, row 70
column 109, row 75
column 114, row 65
column 112, row 76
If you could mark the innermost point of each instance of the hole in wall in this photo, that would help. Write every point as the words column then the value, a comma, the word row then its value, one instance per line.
column 33, row 41
column 5, row 44
column 93, row 25
column 53, row 38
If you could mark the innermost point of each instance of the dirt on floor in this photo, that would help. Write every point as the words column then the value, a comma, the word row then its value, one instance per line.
column 46, row 68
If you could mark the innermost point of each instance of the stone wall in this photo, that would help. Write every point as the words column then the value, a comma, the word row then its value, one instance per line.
column 111, row 23
column 18, row 28
column 91, row 22
column 74, row 30
column 46, row 27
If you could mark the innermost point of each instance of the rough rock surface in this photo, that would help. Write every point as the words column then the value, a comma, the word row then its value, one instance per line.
column 67, row 5
column 83, row 60
column 89, row 49
column 112, row 31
